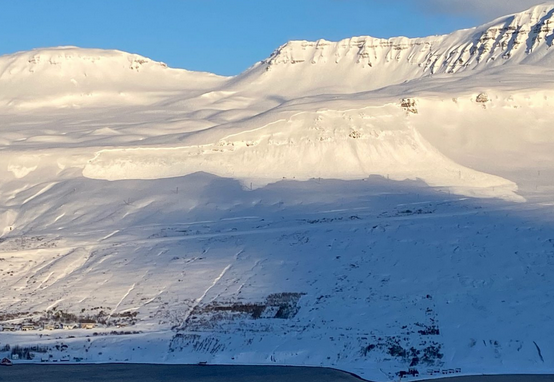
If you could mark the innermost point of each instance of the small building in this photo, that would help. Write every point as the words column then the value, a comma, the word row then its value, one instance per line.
column 9, row 328
column 28, row 327
column 69, row 326
column 88, row 325
column 49, row 327
column 6, row 362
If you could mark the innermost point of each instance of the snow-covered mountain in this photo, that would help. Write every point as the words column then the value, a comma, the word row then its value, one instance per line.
column 372, row 205
column 69, row 75
column 356, row 64
column 366, row 63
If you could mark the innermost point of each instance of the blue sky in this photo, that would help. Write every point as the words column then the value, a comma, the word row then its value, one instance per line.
column 222, row 36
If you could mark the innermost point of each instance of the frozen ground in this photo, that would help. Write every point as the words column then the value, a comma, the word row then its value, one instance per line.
column 270, row 218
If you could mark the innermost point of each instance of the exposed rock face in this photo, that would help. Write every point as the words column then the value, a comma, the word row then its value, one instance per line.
column 409, row 104
column 482, row 98
column 511, row 39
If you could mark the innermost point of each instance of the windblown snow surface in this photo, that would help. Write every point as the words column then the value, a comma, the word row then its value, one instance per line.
column 371, row 205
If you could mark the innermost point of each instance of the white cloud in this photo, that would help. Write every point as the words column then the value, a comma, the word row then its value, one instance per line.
column 482, row 9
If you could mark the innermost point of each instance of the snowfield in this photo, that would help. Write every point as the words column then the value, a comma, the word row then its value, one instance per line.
column 376, row 206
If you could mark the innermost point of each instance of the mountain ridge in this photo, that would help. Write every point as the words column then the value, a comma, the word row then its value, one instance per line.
column 370, row 63
column 85, row 74
column 533, row 22
column 359, row 63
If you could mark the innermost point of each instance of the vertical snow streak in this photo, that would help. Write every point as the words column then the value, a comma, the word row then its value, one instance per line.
column 201, row 298
column 123, row 298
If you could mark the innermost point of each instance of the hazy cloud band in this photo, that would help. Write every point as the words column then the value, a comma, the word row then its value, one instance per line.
column 483, row 9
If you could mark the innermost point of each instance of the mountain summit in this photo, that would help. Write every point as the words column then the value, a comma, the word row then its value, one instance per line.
column 49, row 74
column 366, row 63
column 520, row 38
column 354, row 64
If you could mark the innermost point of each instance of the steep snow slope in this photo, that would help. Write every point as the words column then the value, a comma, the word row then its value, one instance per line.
column 387, row 206
column 364, row 63
column 318, row 273
column 328, row 144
